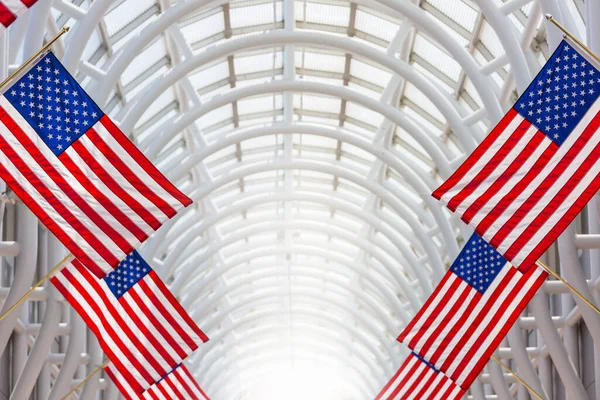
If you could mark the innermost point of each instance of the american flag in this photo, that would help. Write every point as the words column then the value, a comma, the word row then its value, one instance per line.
column 416, row 379
column 539, row 166
column 77, row 171
column 470, row 311
column 10, row 10
column 140, row 325
column 179, row 384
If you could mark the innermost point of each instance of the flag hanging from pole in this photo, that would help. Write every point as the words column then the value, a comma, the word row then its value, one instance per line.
column 539, row 166
column 179, row 384
column 78, row 173
column 471, row 311
column 10, row 10
column 416, row 379
column 139, row 324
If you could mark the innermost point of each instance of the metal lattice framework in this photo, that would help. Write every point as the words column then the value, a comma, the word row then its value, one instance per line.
column 310, row 134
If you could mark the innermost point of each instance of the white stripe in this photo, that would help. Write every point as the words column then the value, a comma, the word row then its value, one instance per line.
column 483, row 345
column 470, row 320
column 120, row 179
column 53, row 214
column 183, row 325
column 451, row 324
column 193, row 385
column 163, row 385
column 94, row 295
column 104, row 336
column 15, row 6
column 485, row 158
column 60, row 195
column 434, row 383
column 564, row 178
column 136, row 168
column 557, row 215
column 149, row 325
column 455, row 393
column 539, row 179
column 440, row 292
column 429, row 331
column 512, row 182
column 441, row 391
column 405, row 368
column 161, row 319
column 483, row 324
column 498, row 171
column 123, row 382
column 102, row 188
column 64, row 172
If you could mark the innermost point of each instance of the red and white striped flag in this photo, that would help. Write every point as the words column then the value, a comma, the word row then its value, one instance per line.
column 416, row 379
column 140, row 325
column 80, row 175
column 10, row 10
column 539, row 166
column 179, row 384
column 471, row 310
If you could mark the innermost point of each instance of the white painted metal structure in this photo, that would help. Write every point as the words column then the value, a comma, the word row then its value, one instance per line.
column 310, row 133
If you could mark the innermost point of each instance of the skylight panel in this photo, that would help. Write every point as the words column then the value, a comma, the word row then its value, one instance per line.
column 490, row 40
column 125, row 13
column 420, row 100
column 256, row 14
column 458, row 11
column 204, row 28
column 436, row 57
column 370, row 73
column 166, row 98
column 148, row 57
column 377, row 26
column 248, row 64
column 215, row 116
column 309, row 60
column 321, row 103
column 209, row 75
column 361, row 113
column 259, row 104
column 327, row 14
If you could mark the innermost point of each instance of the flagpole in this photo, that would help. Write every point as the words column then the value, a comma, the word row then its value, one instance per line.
column 33, row 57
column 87, row 378
column 58, row 266
column 550, row 18
column 517, row 377
column 569, row 286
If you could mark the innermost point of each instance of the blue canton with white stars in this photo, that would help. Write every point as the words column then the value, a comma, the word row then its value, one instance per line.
column 478, row 263
column 54, row 104
column 129, row 272
column 561, row 94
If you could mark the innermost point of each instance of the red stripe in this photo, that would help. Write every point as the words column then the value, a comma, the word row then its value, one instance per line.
column 184, row 369
column 409, row 393
column 561, row 225
column 161, row 388
column 560, row 196
column 6, row 16
column 423, row 309
column 154, row 321
column 490, row 325
column 476, row 155
column 419, row 395
column 152, row 393
column 119, row 384
column 440, row 385
column 467, row 337
column 499, row 208
column 448, row 318
column 396, row 375
column 102, row 199
column 410, row 373
column 509, row 323
column 448, row 392
column 105, row 323
column 176, row 391
column 177, row 306
column 502, row 180
column 89, row 322
column 49, row 222
column 129, row 175
column 181, row 331
column 55, row 203
column 434, row 313
column 547, row 183
column 146, row 332
column 109, row 181
column 60, row 181
column 29, row 3
column 189, row 391
column 490, row 166
column 138, row 156
column 116, row 314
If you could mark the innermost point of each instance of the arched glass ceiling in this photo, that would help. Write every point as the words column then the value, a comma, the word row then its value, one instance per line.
column 310, row 134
